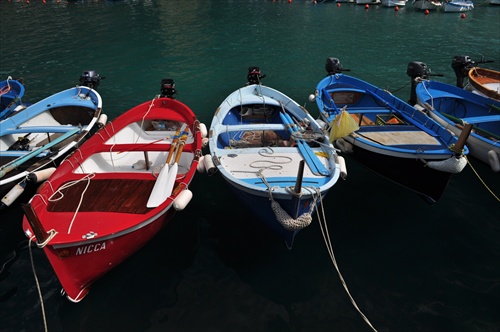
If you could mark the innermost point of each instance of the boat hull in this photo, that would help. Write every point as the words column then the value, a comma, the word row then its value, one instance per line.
column 11, row 94
column 410, row 172
column 394, row 3
column 102, row 255
column 426, row 5
column 485, row 82
column 457, row 6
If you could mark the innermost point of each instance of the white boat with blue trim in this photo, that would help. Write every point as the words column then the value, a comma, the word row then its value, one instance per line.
column 273, row 155
column 34, row 140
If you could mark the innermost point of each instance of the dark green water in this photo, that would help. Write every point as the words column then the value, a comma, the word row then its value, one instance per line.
column 408, row 265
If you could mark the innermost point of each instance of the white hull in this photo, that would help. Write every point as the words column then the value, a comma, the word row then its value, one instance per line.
column 394, row 3
column 367, row 2
column 457, row 6
column 426, row 4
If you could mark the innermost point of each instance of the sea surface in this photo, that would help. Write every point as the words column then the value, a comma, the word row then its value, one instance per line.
column 408, row 265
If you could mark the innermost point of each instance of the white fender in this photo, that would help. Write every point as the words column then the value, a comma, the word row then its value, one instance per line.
column 13, row 194
column 182, row 200
column 203, row 130
column 322, row 124
column 343, row 167
column 201, row 165
column 204, row 142
column 344, row 146
column 451, row 165
column 209, row 165
column 101, row 122
column 312, row 98
column 41, row 175
column 493, row 160
column 19, row 108
column 420, row 108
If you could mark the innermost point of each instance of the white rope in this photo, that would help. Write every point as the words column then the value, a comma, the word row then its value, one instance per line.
column 328, row 242
column 144, row 116
column 282, row 216
column 268, row 152
column 68, row 185
column 38, row 286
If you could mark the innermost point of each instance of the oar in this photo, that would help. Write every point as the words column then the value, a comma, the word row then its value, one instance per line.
column 175, row 140
column 312, row 160
column 330, row 99
column 165, row 182
column 21, row 160
column 180, row 147
column 393, row 108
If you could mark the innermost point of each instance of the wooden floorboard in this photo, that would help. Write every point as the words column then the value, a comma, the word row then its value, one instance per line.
column 109, row 195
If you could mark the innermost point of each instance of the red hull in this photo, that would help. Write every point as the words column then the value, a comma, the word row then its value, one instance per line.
column 98, row 203
column 77, row 267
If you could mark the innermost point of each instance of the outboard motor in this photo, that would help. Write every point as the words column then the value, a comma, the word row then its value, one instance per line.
column 254, row 75
column 333, row 66
column 167, row 88
column 461, row 65
column 90, row 78
column 416, row 69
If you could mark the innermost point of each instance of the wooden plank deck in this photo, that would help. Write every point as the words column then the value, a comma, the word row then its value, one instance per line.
column 401, row 137
column 106, row 195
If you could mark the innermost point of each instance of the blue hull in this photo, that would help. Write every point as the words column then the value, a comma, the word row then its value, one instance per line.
column 11, row 94
column 260, row 206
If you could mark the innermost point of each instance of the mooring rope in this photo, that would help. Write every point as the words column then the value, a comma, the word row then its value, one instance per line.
column 144, row 117
column 482, row 181
column 37, row 285
column 328, row 243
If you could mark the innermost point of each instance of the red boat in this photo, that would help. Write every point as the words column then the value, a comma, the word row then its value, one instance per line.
column 113, row 194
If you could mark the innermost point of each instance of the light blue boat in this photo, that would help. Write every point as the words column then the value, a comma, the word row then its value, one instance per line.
column 38, row 137
column 11, row 94
column 273, row 155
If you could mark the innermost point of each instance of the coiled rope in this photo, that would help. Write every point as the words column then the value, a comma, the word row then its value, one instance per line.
column 329, row 247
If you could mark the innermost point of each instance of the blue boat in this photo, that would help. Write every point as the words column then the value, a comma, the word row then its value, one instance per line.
column 11, row 94
column 388, row 136
column 34, row 140
column 273, row 155
column 453, row 107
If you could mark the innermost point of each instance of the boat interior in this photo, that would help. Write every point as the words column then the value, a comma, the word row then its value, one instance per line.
column 141, row 154
column 255, row 125
column 44, row 128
